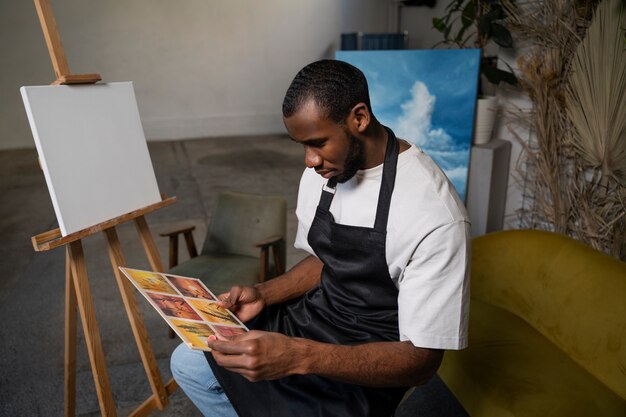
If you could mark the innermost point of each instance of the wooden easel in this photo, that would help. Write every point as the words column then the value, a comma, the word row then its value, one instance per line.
column 77, row 291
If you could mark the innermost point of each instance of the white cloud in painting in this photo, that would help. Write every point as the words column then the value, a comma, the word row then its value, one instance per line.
column 414, row 123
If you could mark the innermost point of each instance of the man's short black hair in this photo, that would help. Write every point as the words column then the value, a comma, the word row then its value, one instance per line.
column 335, row 86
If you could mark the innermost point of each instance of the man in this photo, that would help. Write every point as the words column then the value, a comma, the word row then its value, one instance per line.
column 383, row 292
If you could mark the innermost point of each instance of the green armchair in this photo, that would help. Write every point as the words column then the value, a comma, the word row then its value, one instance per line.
column 547, row 334
column 243, row 230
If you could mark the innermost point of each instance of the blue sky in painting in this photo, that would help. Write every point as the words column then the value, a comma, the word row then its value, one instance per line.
column 428, row 98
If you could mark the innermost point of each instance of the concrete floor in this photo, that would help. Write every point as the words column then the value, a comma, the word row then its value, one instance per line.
column 32, row 284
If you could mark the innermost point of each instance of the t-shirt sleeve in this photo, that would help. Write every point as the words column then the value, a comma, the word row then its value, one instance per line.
column 433, row 299
column 302, row 241
column 305, row 212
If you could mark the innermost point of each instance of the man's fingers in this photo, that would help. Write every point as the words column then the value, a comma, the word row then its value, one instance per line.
column 219, row 336
column 231, row 361
column 228, row 347
column 223, row 300
column 231, row 298
column 247, row 354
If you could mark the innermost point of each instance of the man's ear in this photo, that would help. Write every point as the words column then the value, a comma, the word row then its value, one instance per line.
column 359, row 118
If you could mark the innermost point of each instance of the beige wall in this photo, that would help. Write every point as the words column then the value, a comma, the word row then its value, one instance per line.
column 418, row 21
column 200, row 67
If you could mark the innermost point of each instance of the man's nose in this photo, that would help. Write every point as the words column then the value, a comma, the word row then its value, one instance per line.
column 312, row 158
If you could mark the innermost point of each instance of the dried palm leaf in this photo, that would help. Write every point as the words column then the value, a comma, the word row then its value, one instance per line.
column 562, row 191
column 596, row 95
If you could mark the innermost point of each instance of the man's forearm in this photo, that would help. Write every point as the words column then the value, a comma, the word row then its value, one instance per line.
column 259, row 355
column 294, row 283
column 381, row 364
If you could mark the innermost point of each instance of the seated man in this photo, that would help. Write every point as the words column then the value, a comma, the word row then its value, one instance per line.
column 383, row 292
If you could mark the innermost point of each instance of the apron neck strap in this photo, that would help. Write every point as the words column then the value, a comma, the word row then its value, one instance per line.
column 387, row 182
column 328, row 192
column 386, row 186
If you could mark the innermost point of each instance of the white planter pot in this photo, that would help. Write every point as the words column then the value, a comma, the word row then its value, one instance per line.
column 486, row 111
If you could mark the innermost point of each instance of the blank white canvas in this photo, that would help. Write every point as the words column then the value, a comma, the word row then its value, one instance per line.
column 92, row 151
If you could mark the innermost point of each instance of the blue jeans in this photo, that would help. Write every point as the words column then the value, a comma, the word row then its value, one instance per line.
column 195, row 377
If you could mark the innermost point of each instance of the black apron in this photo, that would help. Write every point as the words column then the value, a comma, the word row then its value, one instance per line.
column 356, row 302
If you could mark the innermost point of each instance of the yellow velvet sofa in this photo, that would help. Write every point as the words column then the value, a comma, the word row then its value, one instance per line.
column 547, row 334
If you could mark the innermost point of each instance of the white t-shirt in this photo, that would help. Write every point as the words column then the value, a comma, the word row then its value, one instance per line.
column 427, row 247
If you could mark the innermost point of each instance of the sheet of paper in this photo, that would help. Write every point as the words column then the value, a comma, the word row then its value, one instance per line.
column 187, row 305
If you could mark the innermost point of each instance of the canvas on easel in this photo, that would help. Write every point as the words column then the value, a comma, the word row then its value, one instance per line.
column 92, row 150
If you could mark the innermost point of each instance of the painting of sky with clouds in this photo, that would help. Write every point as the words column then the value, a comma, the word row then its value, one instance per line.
column 426, row 97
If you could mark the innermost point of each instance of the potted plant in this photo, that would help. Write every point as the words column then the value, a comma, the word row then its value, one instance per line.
column 476, row 24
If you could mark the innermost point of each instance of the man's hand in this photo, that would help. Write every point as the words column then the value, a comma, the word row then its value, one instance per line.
column 258, row 355
column 245, row 302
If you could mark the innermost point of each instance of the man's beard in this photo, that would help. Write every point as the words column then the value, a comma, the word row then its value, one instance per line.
column 354, row 161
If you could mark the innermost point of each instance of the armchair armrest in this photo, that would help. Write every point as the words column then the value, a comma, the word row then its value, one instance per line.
column 274, row 243
column 272, row 240
column 173, row 236
column 178, row 231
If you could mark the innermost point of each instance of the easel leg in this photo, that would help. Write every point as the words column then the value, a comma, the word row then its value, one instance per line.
column 70, row 339
column 148, row 244
column 153, row 253
column 90, row 328
column 159, row 396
